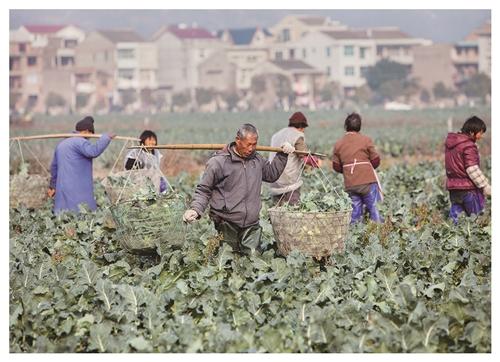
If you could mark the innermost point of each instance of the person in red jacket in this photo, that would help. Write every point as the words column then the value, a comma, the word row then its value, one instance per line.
column 355, row 157
column 465, row 182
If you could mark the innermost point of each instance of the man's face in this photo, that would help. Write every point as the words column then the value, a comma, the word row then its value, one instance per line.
column 246, row 146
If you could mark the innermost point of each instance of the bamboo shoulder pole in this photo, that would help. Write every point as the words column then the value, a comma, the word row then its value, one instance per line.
column 67, row 135
column 218, row 146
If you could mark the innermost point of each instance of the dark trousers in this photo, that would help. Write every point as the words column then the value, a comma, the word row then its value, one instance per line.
column 292, row 198
column 242, row 240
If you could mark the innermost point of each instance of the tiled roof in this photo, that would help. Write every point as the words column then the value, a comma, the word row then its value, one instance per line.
column 312, row 20
column 44, row 29
column 380, row 33
column 292, row 64
column 388, row 34
column 347, row 34
column 191, row 33
column 121, row 36
column 242, row 36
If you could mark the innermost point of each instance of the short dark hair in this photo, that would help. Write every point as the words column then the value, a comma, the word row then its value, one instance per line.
column 147, row 134
column 473, row 125
column 353, row 123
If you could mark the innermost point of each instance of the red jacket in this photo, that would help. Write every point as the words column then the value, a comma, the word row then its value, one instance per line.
column 460, row 153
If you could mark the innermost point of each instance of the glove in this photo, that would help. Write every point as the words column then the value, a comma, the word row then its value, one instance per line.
column 487, row 190
column 190, row 216
column 287, row 148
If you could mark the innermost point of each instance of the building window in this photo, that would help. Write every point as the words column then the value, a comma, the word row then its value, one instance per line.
column 31, row 61
column 65, row 61
column 286, row 34
column 279, row 55
column 363, row 71
column 328, row 52
column 214, row 72
column 70, row 43
column 348, row 50
column 304, row 53
column 328, row 71
column 15, row 82
column 349, row 71
column 292, row 53
column 22, row 48
column 126, row 74
column 14, row 63
column 126, row 53
column 362, row 53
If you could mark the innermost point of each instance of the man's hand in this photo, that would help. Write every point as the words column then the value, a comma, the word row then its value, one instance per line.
column 487, row 191
column 190, row 216
column 287, row 148
column 112, row 135
column 51, row 192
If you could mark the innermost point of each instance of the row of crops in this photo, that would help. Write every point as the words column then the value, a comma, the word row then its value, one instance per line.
column 395, row 133
column 415, row 283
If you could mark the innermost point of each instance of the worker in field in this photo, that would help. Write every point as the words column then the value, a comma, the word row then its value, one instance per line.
column 355, row 157
column 71, row 171
column 231, row 184
column 287, row 188
column 465, row 181
column 146, row 157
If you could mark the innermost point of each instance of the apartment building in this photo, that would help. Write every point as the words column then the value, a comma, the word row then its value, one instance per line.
column 117, row 61
column 181, row 49
column 294, row 27
column 346, row 55
column 246, row 48
column 305, row 80
column 50, row 64
column 25, row 74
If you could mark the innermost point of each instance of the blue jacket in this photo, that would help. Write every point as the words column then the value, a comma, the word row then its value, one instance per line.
column 71, row 172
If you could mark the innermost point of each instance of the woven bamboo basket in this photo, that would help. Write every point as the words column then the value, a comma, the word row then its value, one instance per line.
column 28, row 190
column 317, row 234
column 144, row 225
column 127, row 185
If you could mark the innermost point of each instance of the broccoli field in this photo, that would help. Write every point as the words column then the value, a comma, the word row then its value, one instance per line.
column 415, row 283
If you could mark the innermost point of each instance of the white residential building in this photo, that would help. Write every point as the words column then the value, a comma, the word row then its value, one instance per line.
column 345, row 55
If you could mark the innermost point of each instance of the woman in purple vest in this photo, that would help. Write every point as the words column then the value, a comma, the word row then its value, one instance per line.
column 464, row 180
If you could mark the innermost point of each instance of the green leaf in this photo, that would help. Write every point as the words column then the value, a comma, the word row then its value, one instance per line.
column 140, row 344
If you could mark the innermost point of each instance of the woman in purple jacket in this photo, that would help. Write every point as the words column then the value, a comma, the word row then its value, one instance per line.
column 466, row 183
column 71, row 170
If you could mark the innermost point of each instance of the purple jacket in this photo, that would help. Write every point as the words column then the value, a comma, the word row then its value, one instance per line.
column 460, row 153
column 71, row 172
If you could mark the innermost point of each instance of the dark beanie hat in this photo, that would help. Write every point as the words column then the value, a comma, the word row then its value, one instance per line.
column 297, row 119
column 86, row 124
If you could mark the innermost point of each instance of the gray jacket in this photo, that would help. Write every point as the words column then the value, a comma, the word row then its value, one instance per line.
column 232, row 185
